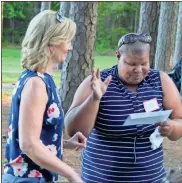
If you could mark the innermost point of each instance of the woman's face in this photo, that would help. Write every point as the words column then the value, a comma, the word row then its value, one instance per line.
column 133, row 68
column 60, row 52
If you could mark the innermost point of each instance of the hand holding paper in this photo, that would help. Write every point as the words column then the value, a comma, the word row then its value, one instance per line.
column 165, row 128
column 147, row 118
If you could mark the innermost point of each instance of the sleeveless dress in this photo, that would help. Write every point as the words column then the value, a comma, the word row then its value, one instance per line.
column 117, row 153
column 19, row 165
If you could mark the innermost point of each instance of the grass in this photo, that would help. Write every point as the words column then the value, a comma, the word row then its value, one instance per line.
column 103, row 62
column 8, row 77
column 11, row 62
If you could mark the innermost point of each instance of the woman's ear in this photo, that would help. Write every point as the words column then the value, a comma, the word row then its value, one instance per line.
column 118, row 55
column 50, row 49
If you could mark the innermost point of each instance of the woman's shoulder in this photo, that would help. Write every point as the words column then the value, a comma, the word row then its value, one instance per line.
column 35, row 80
column 153, row 77
column 109, row 71
column 153, row 73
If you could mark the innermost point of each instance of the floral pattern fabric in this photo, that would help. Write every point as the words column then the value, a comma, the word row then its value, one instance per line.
column 18, row 163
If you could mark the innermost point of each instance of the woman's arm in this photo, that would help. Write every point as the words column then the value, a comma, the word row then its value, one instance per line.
column 171, row 100
column 33, row 103
column 83, row 111
column 82, row 114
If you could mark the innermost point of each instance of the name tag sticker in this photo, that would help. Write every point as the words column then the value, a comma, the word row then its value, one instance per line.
column 151, row 105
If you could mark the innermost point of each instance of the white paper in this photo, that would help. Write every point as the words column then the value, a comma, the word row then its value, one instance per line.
column 147, row 118
column 156, row 139
column 151, row 105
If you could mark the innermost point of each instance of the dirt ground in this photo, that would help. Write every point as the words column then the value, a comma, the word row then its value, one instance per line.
column 172, row 150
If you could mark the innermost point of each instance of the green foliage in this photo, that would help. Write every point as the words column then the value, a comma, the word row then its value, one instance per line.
column 17, row 9
column 16, row 16
column 55, row 5
column 114, row 20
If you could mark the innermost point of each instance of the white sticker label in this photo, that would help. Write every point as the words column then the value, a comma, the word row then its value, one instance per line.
column 151, row 105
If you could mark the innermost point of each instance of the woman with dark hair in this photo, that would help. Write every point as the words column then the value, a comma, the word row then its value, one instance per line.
column 103, row 101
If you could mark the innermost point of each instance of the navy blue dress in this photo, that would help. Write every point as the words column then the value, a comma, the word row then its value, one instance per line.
column 51, row 135
column 117, row 153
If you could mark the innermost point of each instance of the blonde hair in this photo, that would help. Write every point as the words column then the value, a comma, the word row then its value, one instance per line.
column 44, row 30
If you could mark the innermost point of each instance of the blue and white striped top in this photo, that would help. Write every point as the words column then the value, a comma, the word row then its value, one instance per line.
column 117, row 153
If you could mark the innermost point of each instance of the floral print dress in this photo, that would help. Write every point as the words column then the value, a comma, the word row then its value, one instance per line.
column 51, row 135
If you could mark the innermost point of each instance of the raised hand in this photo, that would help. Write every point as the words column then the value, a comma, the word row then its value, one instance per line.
column 98, row 87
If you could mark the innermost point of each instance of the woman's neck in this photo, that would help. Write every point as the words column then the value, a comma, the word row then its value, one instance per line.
column 50, row 67
column 132, row 87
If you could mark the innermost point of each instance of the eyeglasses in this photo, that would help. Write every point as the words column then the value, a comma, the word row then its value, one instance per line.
column 132, row 37
column 59, row 17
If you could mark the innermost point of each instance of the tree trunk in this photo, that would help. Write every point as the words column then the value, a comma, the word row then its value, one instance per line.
column 80, row 60
column 12, row 23
column 149, row 17
column 166, row 35
column 65, row 8
column 178, row 47
column 36, row 9
column 137, row 13
column 2, row 4
column 64, row 11
column 45, row 5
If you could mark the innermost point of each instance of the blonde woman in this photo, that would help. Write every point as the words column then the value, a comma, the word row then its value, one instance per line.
column 34, row 146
